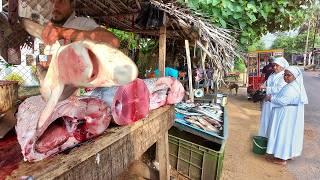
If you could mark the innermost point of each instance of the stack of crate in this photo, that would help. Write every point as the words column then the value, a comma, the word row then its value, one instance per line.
column 195, row 154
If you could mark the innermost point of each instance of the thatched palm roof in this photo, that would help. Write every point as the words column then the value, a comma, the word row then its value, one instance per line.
column 181, row 22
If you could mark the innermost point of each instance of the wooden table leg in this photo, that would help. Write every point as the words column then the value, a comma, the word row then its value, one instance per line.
column 163, row 156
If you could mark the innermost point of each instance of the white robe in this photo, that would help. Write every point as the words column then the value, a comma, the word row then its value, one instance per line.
column 286, row 126
column 274, row 84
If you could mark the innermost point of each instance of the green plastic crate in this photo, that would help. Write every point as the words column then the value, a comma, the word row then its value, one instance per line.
column 194, row 156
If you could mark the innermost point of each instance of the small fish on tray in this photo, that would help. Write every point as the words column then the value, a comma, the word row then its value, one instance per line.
column 201, row 123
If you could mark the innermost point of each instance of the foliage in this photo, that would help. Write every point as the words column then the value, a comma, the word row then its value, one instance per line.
column 130, row 39
column 127, row 38
column 258, row 45
column 239, row 65
column 15, row 77
column 147, row 45
column 252, row 18
column 295, row 44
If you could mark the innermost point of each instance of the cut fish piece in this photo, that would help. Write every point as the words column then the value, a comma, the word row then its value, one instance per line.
column 129, row 103
column 73, row 121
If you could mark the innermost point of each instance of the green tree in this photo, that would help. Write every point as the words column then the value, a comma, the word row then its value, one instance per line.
column 252, row 18
column 295, row 44
column 239, row 65
column 258, row 45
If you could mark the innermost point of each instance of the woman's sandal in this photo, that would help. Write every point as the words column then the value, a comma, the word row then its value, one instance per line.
column 269, row 157
column 279, row 161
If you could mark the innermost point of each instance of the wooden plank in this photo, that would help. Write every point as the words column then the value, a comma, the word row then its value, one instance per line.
column 162, row 50
column 106, row 156
column 189, row 70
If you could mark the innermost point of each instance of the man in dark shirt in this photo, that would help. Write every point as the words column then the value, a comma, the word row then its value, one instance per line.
column 268, row 69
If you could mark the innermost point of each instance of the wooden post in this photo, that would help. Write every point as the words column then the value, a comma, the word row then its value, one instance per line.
column 162, row 50
column 186, row 42
column 163, row 155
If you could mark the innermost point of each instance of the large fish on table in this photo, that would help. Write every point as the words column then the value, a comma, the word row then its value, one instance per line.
column 73, row 121
column 81, row 64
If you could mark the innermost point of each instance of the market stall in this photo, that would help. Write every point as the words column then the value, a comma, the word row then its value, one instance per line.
column 105, row 157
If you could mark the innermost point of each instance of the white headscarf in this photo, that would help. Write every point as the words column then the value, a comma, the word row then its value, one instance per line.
column 281, row 61
column 296, row 72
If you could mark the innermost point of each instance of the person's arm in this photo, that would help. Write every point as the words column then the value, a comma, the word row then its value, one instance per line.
column 277, row 86
column 52, row 33
column 285, row 97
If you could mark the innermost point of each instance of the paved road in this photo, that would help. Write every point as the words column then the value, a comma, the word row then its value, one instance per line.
column 308, row 165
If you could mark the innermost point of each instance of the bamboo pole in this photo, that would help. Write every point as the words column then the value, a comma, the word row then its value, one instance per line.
column 186, row 42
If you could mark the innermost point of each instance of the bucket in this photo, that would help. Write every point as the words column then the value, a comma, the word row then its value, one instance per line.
column 220, row 99
column 260, row 145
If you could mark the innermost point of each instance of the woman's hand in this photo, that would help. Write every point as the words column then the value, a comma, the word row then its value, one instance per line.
column 263, row 86
column 267, row 98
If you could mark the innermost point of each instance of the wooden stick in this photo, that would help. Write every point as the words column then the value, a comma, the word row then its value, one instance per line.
column 203, row 59
column 186, row 42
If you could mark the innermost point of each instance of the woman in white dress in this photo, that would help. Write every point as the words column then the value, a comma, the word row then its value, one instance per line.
column 286, row 126
column 273, row 85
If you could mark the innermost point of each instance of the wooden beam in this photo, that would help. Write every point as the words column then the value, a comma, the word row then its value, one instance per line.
column 186, row 42
column 162, row 50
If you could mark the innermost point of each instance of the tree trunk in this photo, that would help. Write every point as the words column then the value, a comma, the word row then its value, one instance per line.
column 306, row 48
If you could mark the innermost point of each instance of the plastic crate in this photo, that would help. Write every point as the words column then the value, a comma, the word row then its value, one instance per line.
column 194, row 156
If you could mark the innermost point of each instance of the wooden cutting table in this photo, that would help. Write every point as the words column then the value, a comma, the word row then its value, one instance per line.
column 108, row 155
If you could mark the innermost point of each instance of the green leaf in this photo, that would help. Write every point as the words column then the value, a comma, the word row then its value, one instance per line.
column 264, row 15
column 251, row 6
column 225, row 14
column 213, row 2
column 242, row 24
column 243, row 40
column 252, row 17
column 223, row 23
column 237, row 16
